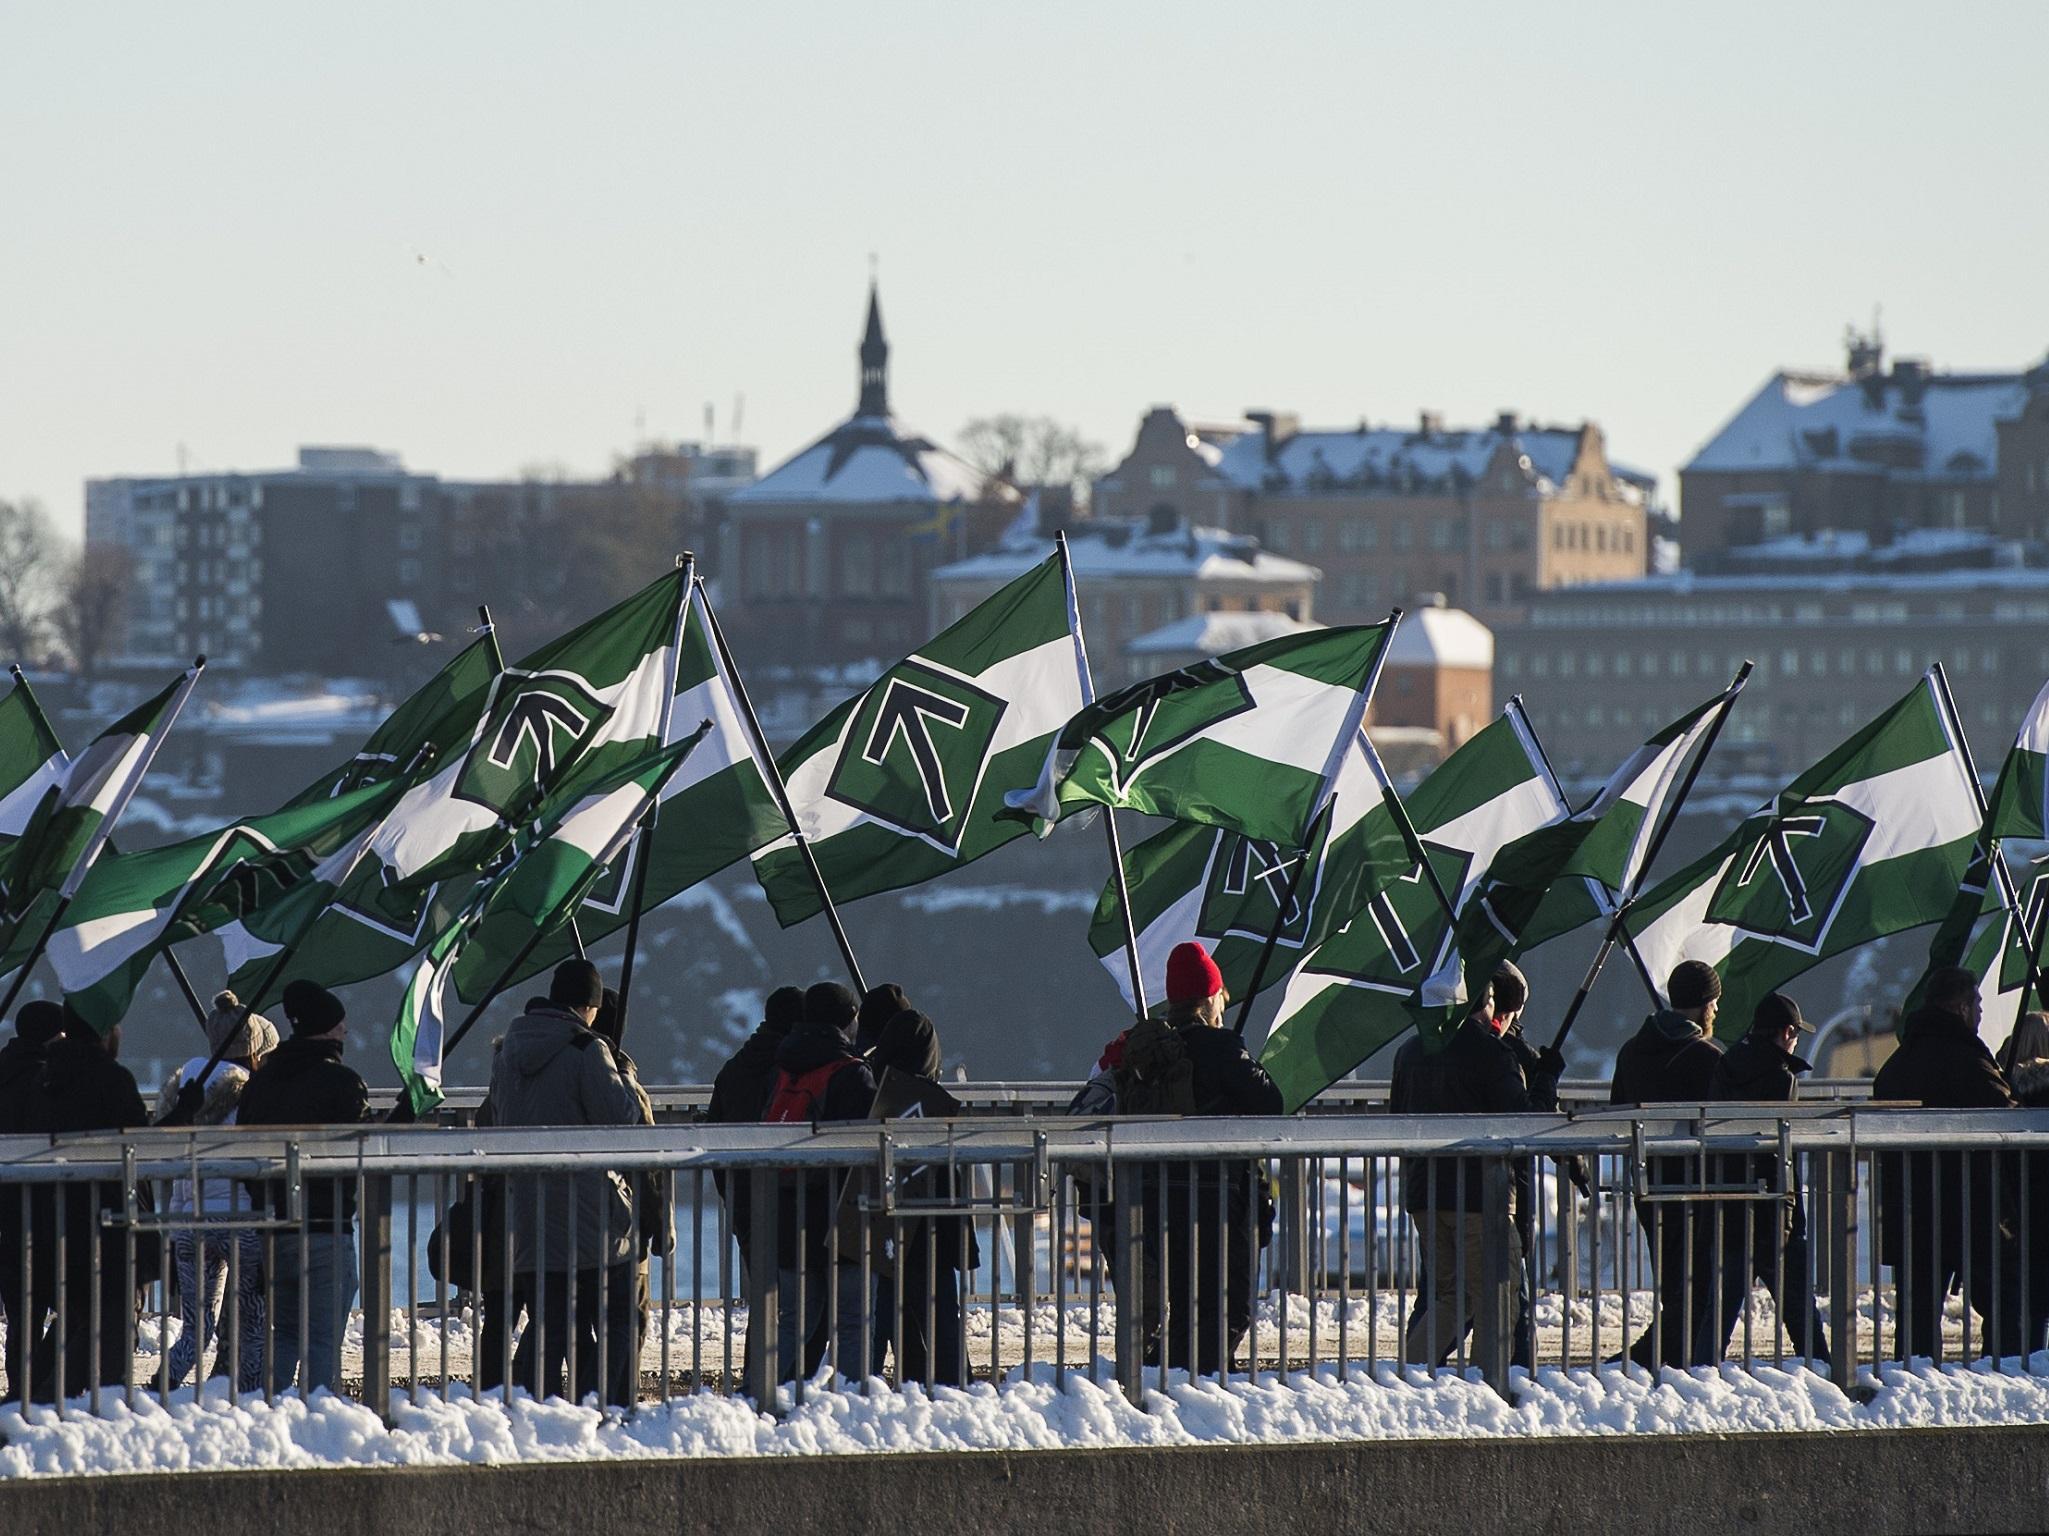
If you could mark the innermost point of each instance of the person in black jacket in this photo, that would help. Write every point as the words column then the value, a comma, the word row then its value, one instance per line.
column 305, row 1082
column 931, row 1251
column 739, row 1093
column 1941, row 1219
column 1766, row 1241
column 83, row 1087
column 21, row 1070
column 1204, row 1209
column 1465, row 1208
column 1672, row 1059
column 880, row 1005
column 819, row 1076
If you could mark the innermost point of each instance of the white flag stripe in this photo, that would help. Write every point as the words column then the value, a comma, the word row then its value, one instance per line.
column 18, row 806
column 1295, row 720
column 109, row 788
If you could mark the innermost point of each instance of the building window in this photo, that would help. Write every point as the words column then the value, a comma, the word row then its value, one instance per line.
column 1312, row 537
column 1404, row 534
column 1163, row 477
column 408, row 572
column 1623, row 663
column 1511, row 665
column 1277, row 537
column 1789, row 663
column 408, row 535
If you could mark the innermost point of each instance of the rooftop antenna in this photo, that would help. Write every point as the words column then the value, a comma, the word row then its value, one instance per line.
column 739, row 410
column 710, row 437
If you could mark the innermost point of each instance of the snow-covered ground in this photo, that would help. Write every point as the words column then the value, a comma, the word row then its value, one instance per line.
column 1035, row 1412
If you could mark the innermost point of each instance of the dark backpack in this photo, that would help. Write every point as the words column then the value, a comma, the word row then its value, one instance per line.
column 797, row 1098
column 1156, row 1076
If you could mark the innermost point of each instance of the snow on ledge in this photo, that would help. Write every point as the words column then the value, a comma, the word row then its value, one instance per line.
column 216, row 1434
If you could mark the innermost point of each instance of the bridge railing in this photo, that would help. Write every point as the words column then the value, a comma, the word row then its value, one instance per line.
column 437, row 1260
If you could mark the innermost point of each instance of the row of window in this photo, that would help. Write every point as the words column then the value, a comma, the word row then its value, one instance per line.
column 1601, row 538
column 1842, row 661
column 1752, row 722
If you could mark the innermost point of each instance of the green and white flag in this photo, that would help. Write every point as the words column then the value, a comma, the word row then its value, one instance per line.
column 1247, row 740
column 32, row 761
column 1872, row 840
column 73, row 819
column 902, row 784
column 597, row 698
column 2019, row 798
column 133, row 905
column 1364, row 985
column 716, row 810
column 555, row 860
column 443, row 712
column 1583, row 867
column 1226, row 889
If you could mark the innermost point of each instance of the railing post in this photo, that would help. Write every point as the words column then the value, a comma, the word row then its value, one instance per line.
column 1494, row 1336
column 1294, row 1234
column 1841, row 1183
column 762, row 1368
column 1132, row 1282
column 375, row 1220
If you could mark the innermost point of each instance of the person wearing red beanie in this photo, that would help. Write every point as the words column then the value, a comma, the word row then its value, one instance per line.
column 1192, row 976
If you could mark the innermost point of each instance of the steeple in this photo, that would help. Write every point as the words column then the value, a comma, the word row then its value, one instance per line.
column 874, row 362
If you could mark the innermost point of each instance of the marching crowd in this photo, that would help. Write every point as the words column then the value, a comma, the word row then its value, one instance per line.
column 568, row 1253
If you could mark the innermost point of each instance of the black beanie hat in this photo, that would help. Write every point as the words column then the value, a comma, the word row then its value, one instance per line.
column 883, row 1003
column 1694, row 984
column 312, row 1009
column 784, row 1009
column 577, row 984
column 39, row 1022
column 1511, row 987
column 830, row 1004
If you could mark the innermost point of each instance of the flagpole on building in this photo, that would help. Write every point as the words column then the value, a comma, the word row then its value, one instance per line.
column 1616, row 932
column 99, row 839
column 1987, row 844
column 28, row 697
column 765, row 760
column 1088, row 697
column 1287, row 905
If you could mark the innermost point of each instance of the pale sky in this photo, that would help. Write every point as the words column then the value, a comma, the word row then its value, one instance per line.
column 212, row 217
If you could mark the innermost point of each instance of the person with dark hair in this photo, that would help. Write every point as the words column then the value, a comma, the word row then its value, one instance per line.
column 572, row 1234
column 1766, row 1241
column 306, row 1082
column 1672, row 1060
column 880, row 1005
column 819, row 1076
column 83, row 1087
column 926, row 1267
column 1466, row 1209
column 2024, row 1058
column 36, row 1025
column 739, row 1094
column 1940, row 1220
column 1188, row 1064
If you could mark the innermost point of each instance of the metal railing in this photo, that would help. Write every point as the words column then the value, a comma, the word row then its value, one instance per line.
column 637, row 1264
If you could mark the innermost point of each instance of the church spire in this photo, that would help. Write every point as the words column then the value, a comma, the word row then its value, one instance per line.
column 874, row 362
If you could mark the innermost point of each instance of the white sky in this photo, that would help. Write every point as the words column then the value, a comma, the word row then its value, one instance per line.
column 211, row 216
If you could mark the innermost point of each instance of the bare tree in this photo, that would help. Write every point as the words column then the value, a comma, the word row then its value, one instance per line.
column 93, row 597
column 1032, row 450
column 28, row 574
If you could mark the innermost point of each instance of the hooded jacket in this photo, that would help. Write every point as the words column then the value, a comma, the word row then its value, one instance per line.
column 1671, row 1060
column 81, row 1088
column 1475, row 1072
column 1755, row 1071
column 21, row 1064
column 552, row 1069
column 305, row 1082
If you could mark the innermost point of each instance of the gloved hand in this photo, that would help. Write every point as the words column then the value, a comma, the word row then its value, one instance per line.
column 1576, row 1170
column 1551, row 1062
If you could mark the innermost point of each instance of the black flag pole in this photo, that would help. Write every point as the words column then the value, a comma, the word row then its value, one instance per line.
column 765, row 761
column 1088, row 697
column 1616, row 932
column 643, row 851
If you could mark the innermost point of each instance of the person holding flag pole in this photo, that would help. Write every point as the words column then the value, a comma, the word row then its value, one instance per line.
column 74, row 820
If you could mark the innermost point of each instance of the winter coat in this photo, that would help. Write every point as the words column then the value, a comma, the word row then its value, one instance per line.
column 1227, row 1080
column 849, row 1095
column 1475, row 1072
column 739, row 1093
column 81, row 1088
column 223, row 1097
column 2030, row 1082
column 1943, row 1064
column 21, row 1065
column 1755, row 1071
column 304, row 1082
column 909, row 1046
column 1671, row 1060
column 552, row 1070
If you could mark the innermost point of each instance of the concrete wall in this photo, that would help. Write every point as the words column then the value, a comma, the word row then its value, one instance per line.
column 1861, row 1484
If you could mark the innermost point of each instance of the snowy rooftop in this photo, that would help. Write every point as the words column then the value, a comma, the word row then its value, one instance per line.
column 1391, row 458
column 1109, row 549
column 1940, row 423
column 1212, row 634
column 868, row 459
column 1437, row 636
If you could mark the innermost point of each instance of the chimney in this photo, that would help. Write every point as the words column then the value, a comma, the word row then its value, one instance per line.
column 1910, row 377
column 1507, row 424
column 1430, row 424
column 1275, row 428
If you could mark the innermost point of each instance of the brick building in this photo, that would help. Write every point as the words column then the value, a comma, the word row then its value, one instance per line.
column 828, row 557
column 1873, row 452
column 1439, row 675
column 1484, row 516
